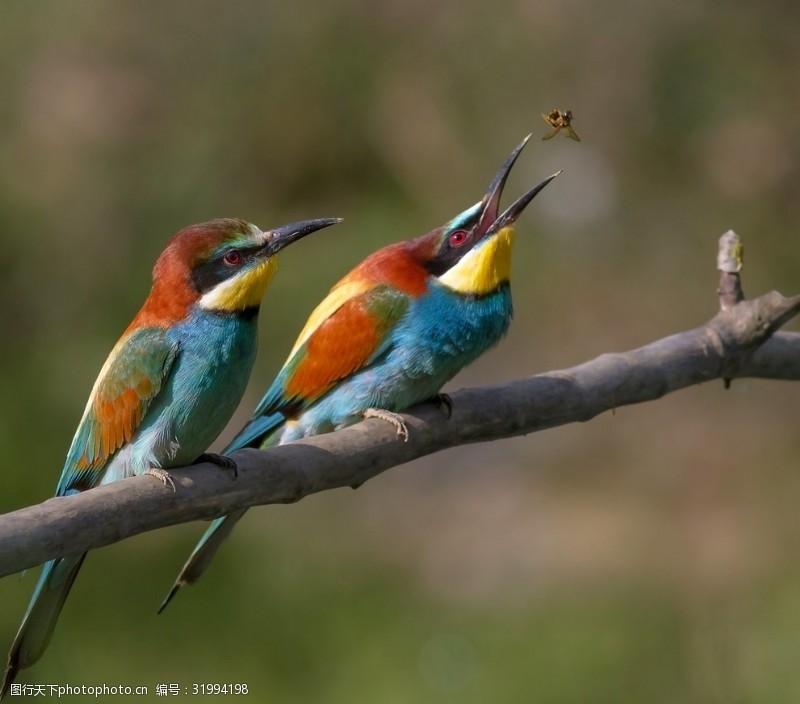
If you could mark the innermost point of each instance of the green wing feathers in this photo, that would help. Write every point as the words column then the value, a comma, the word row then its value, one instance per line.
column 130, row 379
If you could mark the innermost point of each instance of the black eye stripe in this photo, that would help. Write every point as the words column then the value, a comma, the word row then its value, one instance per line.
column 208, row 274
column 450, row 254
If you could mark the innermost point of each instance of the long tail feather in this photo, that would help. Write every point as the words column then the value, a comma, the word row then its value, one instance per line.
column 253, row 434
column 40, row 619
column 203, row 553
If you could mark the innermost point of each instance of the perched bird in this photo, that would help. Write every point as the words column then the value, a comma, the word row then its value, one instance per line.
column 169, row 386
column 390, row 334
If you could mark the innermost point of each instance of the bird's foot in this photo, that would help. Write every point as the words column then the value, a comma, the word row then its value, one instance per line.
column 163, row 476
column 444, row 401
column 394, row 419
column 220, row 460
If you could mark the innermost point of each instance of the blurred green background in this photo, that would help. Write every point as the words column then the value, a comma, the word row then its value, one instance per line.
column 648, row 556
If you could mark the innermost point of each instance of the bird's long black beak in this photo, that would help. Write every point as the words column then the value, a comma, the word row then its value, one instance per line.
column 282, row 236
column 491, row 201
column 510, row 215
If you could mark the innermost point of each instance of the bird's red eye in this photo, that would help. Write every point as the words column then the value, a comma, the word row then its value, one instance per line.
column 458, row 238
column 233, row 257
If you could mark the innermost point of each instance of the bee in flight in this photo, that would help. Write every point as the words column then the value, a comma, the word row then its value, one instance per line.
column 560, row 121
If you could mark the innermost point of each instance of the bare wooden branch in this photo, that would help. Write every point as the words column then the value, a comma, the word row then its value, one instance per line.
column 729, row 346
column 740, row 341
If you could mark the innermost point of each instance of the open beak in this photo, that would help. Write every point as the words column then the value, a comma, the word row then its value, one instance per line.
column 280, row 237
column 491, row 201
column 490, row 219
column 510, row 215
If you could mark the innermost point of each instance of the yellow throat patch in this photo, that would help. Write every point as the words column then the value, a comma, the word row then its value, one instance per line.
column 243, row 291
column 484, row 268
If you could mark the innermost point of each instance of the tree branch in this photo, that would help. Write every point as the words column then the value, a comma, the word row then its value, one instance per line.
column 740, row 341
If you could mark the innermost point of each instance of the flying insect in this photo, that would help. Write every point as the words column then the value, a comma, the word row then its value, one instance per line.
column 560, row 121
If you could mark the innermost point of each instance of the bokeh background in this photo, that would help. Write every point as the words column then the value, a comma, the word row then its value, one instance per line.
column 648, row 556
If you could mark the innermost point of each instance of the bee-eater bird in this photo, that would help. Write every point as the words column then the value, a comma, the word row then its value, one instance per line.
column 169, row 386
column 389, row 335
